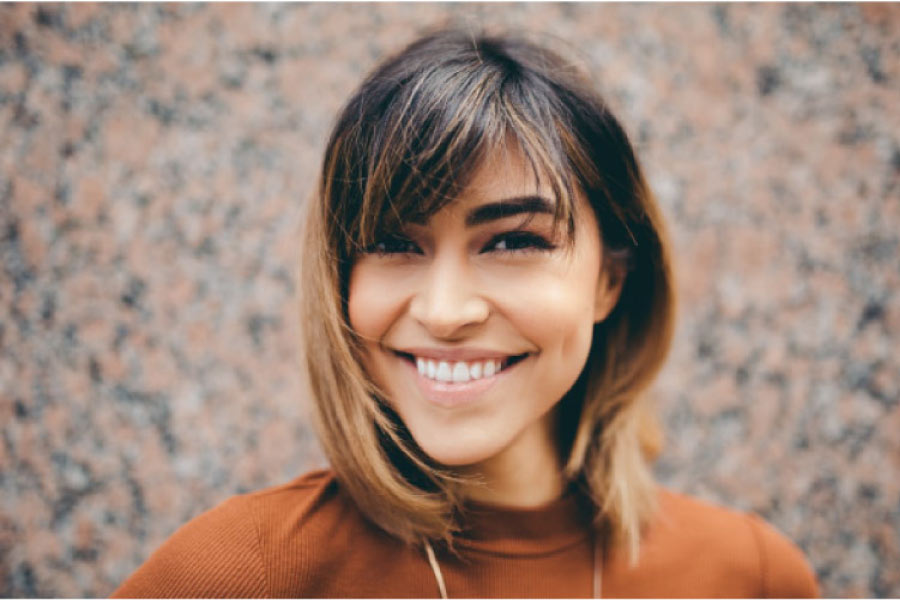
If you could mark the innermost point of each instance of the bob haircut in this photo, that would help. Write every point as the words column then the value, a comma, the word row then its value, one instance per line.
column 403, row 147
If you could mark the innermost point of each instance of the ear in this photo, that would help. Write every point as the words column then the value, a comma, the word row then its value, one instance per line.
column 609, row 288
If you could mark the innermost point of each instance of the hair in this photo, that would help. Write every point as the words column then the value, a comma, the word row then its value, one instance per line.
column 403, row 147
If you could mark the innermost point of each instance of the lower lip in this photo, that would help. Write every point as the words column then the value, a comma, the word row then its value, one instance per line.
column 451, row 395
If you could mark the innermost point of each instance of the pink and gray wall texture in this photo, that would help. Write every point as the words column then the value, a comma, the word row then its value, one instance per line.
column 154, row 163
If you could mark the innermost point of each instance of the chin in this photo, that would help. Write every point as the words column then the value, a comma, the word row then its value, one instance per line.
column 455, row 452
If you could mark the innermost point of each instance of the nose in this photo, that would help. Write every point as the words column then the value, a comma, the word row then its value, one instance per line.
column 447, row 303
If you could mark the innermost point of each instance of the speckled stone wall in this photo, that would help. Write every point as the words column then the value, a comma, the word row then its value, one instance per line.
column 153, row 165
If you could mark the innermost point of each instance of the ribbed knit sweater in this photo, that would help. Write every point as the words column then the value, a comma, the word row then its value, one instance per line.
column 307, row 539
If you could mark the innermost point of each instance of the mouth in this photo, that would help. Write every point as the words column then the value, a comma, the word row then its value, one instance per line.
column 460, row 371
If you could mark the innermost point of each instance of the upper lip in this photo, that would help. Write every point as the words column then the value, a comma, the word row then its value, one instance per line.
column 457, row 354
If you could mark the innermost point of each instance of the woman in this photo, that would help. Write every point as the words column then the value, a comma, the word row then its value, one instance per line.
column 488, row 292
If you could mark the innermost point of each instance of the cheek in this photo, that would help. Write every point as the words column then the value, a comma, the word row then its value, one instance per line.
column 372, row 304
column 555, row 312
column 558, row 320
column 555, row 303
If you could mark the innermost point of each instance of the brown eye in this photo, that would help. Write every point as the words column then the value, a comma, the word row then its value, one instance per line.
column 514, row 241
column 393, row 244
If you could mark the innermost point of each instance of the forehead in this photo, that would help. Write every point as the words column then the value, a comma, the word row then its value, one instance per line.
column 502, row 186
column 507, row 175
column 505, row 172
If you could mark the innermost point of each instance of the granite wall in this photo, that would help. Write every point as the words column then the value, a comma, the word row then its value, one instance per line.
column 153, row 165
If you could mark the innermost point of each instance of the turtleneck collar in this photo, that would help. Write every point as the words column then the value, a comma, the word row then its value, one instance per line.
column 527, row 531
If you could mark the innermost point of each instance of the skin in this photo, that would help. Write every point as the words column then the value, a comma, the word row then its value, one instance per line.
column 449, row 284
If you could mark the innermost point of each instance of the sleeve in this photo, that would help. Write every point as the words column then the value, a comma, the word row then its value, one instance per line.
column 785, row 572
column 216, row 555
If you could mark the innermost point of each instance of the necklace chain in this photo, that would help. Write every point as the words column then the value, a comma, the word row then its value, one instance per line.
column 437, row 570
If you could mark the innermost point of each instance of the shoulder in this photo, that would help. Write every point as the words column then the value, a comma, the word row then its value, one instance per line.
column 734, row 548
column 227, row 551
column 785, row 571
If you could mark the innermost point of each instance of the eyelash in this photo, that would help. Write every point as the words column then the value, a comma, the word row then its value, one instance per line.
column 522, row 241
column 395, row 242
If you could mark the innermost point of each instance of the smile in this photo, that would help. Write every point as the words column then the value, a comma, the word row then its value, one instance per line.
column 460, row 371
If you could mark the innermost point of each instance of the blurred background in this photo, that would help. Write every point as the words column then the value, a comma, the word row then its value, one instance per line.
column 154, row 162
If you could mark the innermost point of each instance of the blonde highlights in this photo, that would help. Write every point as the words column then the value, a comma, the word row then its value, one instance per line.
column 403, row 147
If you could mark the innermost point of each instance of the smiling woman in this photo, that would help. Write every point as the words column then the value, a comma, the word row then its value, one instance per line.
column 479, row 321
column 488, row 295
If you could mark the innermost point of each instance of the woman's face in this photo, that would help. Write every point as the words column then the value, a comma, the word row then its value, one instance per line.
column 478, row 321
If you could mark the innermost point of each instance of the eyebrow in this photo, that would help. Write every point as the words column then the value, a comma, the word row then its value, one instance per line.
column 509, row 207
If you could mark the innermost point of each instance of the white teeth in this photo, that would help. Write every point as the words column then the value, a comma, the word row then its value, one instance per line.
column 475, row 370
column 460, row 372
column 443, row 371
column 489, row 368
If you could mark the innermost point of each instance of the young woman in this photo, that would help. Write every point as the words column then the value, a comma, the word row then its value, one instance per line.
column 488, row 292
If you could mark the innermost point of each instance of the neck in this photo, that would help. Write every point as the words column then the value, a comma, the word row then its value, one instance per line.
column 526, row 474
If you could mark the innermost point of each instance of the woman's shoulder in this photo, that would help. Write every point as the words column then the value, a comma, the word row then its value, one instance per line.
column 230, row 549
column 297, row 498
column 736, row 549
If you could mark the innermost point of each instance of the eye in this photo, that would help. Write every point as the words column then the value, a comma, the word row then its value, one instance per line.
column 393, row 244
column 518, row 241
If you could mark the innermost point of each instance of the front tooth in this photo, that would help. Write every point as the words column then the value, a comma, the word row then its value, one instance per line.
column 443, row 371
column 489, row 368
column 430, row 369
column 475, row 370
column 460, row 372
column 420, row 365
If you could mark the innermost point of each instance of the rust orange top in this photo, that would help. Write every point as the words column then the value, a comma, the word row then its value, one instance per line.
column 306, row 538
